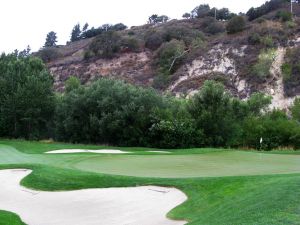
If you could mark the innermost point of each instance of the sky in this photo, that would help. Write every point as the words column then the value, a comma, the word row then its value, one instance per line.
column 27, row 22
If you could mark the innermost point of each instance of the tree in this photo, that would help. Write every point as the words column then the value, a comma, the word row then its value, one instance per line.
column 212, row 112
column 51, row 39
column 107, row 27
column 85, row 27
column 119, row 26
column 25, row 52
column 153, row 19
column 201, row 11
column 224, row 14
column 236, row 24
column 26, row 97
column 186, row 15
column 76, row 33
column 269, row 6
column 162, row 19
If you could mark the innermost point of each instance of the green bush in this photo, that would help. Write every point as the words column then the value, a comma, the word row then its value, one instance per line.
column 182, row 33
column 286, row 70
column 267, row 41
column 254, row 39
column 221, row 117
column 169, row 56
column 130, row 44
column 291, row 71
column 176, row 134
column 105, row 45
column 275, row 130
column 290, row 24
column 49, row 54
column 107, row 111
column 215, row 28
column 108, row 44
column 154, row 40
column 284, row 16
column 295, row 109
column 265, row 60
column 236, row 24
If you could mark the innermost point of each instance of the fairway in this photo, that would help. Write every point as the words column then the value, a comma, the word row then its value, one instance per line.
column 217, row 164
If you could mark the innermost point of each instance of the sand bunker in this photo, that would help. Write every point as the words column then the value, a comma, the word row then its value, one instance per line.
column 102, row 151
column 110, row 206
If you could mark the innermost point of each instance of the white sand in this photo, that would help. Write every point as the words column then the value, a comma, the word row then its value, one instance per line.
column 110, row 206
column 159, row 151
column 102, row 151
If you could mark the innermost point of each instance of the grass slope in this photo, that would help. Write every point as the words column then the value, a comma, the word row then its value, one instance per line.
column 271, row 199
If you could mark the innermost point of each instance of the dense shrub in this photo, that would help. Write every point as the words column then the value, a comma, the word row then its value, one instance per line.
column 106, row 45
column 117, row 113
column 286, row 70
column 291, row 71
column 182, row 33
column 261, row 68
column 267, row 41
column 129, row 44
column 26, row 97
column 295, row 109
column 109, row 43
column 275, row 130
column 108, row 111
column 221, row 116
column 236, row 24
column 176, row 134
column 284, row 16
column 49, row 54
column 254, row 39
column 169, row 56
column 215, row 28
column 154, row 40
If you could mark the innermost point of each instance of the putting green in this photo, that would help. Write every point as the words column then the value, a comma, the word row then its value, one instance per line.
column 210, row 164
column 228, row 163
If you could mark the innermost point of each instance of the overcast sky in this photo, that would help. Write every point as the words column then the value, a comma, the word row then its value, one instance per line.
column 27, row 22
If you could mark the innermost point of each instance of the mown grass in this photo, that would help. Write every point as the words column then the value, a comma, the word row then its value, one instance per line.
column 8, row 218
column 263, row 200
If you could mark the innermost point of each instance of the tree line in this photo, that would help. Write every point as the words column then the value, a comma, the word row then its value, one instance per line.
column 114, row 112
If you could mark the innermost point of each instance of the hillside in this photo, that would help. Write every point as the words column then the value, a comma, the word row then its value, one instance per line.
column 179, row 55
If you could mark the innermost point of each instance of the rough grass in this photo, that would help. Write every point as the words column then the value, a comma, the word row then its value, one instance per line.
column 272, row 199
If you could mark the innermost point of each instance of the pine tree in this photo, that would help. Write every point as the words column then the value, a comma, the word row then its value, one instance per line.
column 51, row 39
column 76, row 32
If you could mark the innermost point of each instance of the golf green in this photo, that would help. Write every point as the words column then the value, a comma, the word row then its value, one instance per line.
column 208, row 164
column 227, row 163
